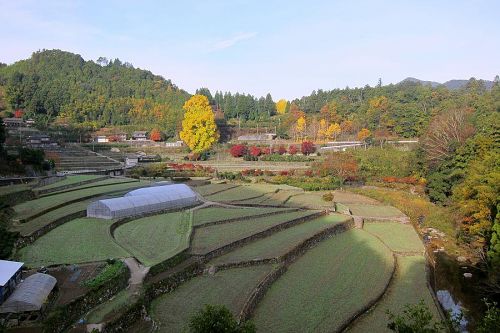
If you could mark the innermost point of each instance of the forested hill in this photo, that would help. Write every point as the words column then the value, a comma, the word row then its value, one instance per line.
column 54, row 85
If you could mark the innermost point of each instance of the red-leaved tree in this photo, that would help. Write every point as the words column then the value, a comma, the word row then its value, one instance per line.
column 292, row 150
column 307, row 147
column 238, row 150
column 281, row 150
column 155, row 135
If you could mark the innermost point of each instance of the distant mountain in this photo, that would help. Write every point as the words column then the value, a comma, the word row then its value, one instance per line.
column 424, row 83
column 451, row 84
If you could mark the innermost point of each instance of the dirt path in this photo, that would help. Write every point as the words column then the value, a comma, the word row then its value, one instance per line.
column 137, row 273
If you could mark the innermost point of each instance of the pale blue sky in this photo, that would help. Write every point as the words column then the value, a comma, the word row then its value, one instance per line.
column 288, row 48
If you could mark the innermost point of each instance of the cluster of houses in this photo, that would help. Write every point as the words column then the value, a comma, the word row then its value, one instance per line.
column 17, row 122
column 105, row 136
column 22, row 298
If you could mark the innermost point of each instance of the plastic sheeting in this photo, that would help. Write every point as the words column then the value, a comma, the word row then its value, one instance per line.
column 29, row 295
column 144, row 200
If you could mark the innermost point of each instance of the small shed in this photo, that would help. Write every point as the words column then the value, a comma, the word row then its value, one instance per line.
column 30, row 295
column 10, row 275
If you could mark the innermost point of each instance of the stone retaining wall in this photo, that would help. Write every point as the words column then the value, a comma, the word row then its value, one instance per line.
column 259, row 292
column 48, row 180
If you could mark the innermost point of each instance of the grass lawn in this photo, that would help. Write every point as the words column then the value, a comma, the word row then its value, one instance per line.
column 243, row 192
column 352, row 198
column 211, row 214
column 156, row 238
column 32, row 207
column 276, row 199
column 281, row 242
column 80, row 240
column 397, row 236
column 374, row 210
column 228, row 287
column 69, row 181
column 408, row 286
column 211, row 188
column 213, row 237
column 327, row 285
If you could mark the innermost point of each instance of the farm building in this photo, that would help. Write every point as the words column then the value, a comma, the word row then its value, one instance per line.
column 10, row 275
column 30, row 296
column 144, row 200
column 139, row 136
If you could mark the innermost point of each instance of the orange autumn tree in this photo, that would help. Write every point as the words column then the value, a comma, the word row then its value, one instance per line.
column 199, row 130
column 364, row 134
column 155, row 135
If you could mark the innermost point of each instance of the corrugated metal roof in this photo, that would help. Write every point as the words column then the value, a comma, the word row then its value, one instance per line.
column 7, row 270
column 29, row 295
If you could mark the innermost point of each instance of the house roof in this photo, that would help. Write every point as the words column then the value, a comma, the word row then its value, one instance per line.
column 139, row 133
column 7, row 270
column 29, row 295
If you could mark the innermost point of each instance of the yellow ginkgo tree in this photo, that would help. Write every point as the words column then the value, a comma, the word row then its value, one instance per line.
column 199, row 130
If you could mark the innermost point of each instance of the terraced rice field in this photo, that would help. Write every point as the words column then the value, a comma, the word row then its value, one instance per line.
column 274, row 199
column 156, row 238
column 70, row 180
column 374, row 211
column 327, row 285
column 78, row 241
column 212, row 214
column 352, row 198
column 408, row 286
column 111, row 307
column 33, row 207
column 397, row 236
column 228, row 287
column 281, row 242
column 243, row 192
column 212, row 237
column 10, row 189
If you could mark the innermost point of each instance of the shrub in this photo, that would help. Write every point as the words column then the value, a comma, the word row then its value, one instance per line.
column 250, row 158
column 238, row 150
column 341, row 165
column 217, row 319
column 266, row 151
column 307, row 147
column 281, row 150
column 328, row 196
column 286, row 158
column 108, row 273
column 254, row 151
column 292, row 150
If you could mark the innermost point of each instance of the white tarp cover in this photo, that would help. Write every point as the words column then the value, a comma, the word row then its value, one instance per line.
column 144, row 200
column 7, row 270
column 29, row 295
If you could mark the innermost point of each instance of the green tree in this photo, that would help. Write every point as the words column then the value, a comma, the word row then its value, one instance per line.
column 217, row 319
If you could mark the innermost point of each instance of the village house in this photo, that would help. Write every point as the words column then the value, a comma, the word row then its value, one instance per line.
column 139, row 136
column 13, row 122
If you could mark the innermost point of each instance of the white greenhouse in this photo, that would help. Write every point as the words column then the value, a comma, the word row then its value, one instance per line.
column 144, row 200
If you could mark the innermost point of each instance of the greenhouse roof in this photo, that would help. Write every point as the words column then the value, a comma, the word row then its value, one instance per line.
column 29, row 295
column 181, row 190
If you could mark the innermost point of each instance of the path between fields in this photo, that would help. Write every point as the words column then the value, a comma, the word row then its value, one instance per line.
column 137, row 272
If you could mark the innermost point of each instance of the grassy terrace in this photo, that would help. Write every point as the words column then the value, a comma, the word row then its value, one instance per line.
column 229, row 287
column 10, row 189
column 156, row 238
column 212, row 214
column 111, row 307
column 374, row 210
column 327, row 285
column 275, row 199
column 211, row 188
column 70, row 180
column 41, row 221
column 408, row 286
column 213, row 237
column 398, row 237
column 309, row 200
column 281, row 242
column 33, row 207
column 243, row 192
column 104, row 182
column 80, row 240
